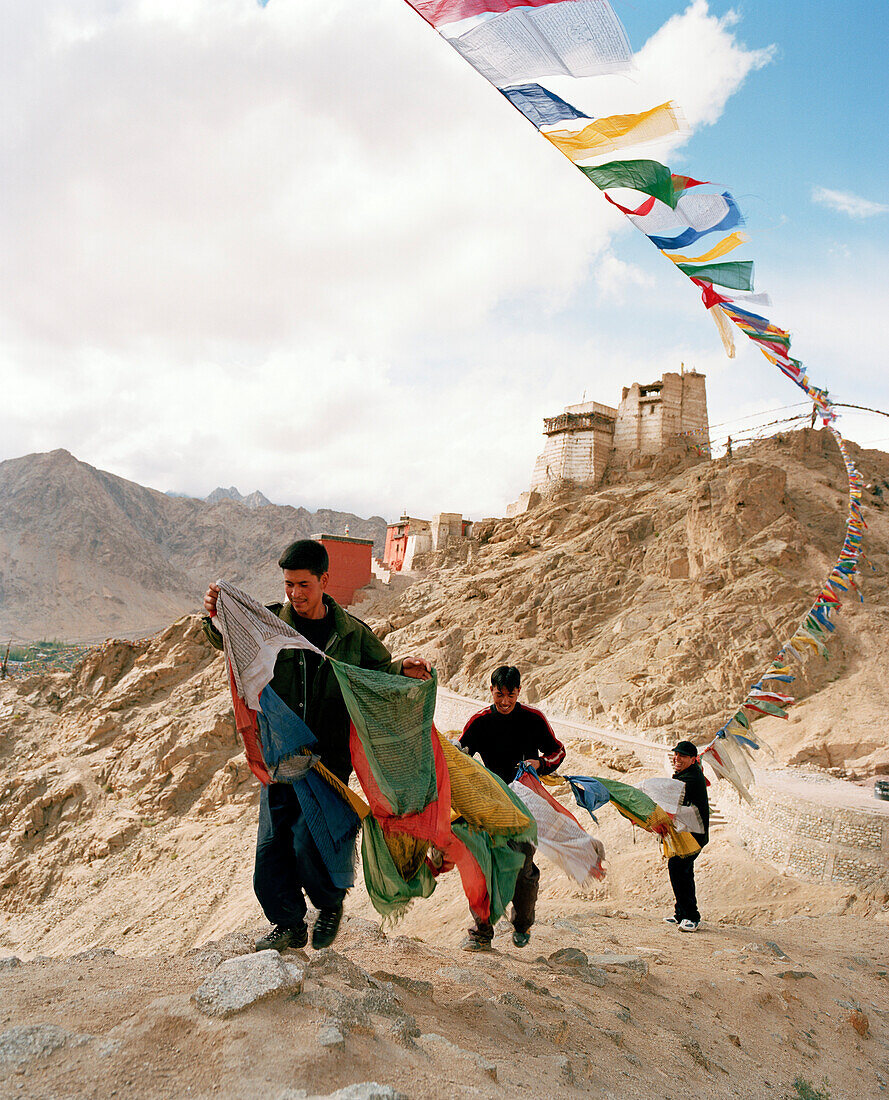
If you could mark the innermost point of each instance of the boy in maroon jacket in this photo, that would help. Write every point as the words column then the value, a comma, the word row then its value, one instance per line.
column 507, row 734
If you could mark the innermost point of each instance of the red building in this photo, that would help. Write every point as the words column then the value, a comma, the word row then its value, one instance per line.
column 396, row 544
column 410, row 536
column 350, row 567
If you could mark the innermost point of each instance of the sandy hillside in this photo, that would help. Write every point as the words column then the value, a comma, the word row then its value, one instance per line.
column 652, row 605
column 127, row 825
column 128, row 816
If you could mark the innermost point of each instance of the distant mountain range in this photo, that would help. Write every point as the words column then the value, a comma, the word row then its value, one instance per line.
column 85, row 554
column 252, row 500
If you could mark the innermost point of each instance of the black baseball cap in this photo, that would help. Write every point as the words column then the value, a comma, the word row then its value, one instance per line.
column 685, row 748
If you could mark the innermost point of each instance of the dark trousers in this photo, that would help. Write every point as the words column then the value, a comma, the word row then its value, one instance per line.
column 288, row 865
column 682, row 879
column 524, row 899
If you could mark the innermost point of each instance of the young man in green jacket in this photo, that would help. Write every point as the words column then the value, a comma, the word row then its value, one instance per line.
column 288, row 865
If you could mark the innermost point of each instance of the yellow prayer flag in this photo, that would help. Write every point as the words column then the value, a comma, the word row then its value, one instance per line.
column 726, row 245
column 725, row 330
column 607, row 134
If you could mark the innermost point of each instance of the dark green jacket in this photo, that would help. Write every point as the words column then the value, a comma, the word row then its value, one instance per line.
column 320, row 702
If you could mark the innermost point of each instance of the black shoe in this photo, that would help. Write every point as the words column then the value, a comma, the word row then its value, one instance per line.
column 281, row 937
column 327, row 924
column 521, row 939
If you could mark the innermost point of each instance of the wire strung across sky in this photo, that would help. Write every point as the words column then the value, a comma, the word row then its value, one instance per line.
column 736, row 434
column 765, row 412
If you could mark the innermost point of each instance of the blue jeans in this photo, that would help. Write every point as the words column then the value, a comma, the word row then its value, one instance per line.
column 288, row 866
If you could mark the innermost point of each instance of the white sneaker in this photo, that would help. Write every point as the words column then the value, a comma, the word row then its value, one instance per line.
column 670, row 920
column 688, row 925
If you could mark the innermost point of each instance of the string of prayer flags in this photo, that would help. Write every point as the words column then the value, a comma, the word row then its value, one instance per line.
column 816, row 626
column 514, row 43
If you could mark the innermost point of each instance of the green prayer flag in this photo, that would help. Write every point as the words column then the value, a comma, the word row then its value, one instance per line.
column 392, row 716
column 389, row 893
column 770, row 338
column 737, row 275
column 498, row 861
column 631, row 798
column 647, row 176
column 770, row 708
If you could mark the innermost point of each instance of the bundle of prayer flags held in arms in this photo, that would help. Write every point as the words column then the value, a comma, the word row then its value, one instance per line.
column 429, row 807
column 640, row 808
column 421, row 792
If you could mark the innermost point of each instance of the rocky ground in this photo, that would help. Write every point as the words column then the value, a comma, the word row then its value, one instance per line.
column 653, row 604
column 602, row 1003
column 128, row 819
column 128, row 815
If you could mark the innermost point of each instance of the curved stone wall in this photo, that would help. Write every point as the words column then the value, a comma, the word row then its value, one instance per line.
column 815, row 828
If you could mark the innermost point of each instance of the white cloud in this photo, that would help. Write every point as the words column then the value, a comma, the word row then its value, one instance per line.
column 713, row 64
column 847, row 203
column 308, row 250
column 614, row 277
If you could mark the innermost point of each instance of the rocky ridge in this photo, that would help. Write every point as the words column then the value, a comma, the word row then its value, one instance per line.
column 652, row 605
column 256, row 499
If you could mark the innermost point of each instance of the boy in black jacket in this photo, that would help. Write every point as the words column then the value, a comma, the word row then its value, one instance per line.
column 504, row 735
column 682, row 868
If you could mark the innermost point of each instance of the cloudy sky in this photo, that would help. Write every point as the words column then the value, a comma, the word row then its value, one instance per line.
column 307, row 249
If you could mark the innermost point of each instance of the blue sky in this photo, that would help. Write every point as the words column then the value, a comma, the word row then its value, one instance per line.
column 814, row 111
column 307, row 249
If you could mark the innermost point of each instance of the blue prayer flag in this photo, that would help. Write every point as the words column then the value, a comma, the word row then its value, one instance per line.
column 589, row 793
column 332, row 822
column 539, row 106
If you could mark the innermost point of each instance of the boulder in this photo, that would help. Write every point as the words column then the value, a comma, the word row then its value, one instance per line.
column 244, row 980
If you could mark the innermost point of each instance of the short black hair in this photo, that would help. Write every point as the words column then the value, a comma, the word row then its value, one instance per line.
column 507, row 678
column 306, row 554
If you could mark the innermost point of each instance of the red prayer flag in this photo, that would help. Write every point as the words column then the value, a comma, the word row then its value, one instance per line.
column 440, row 12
